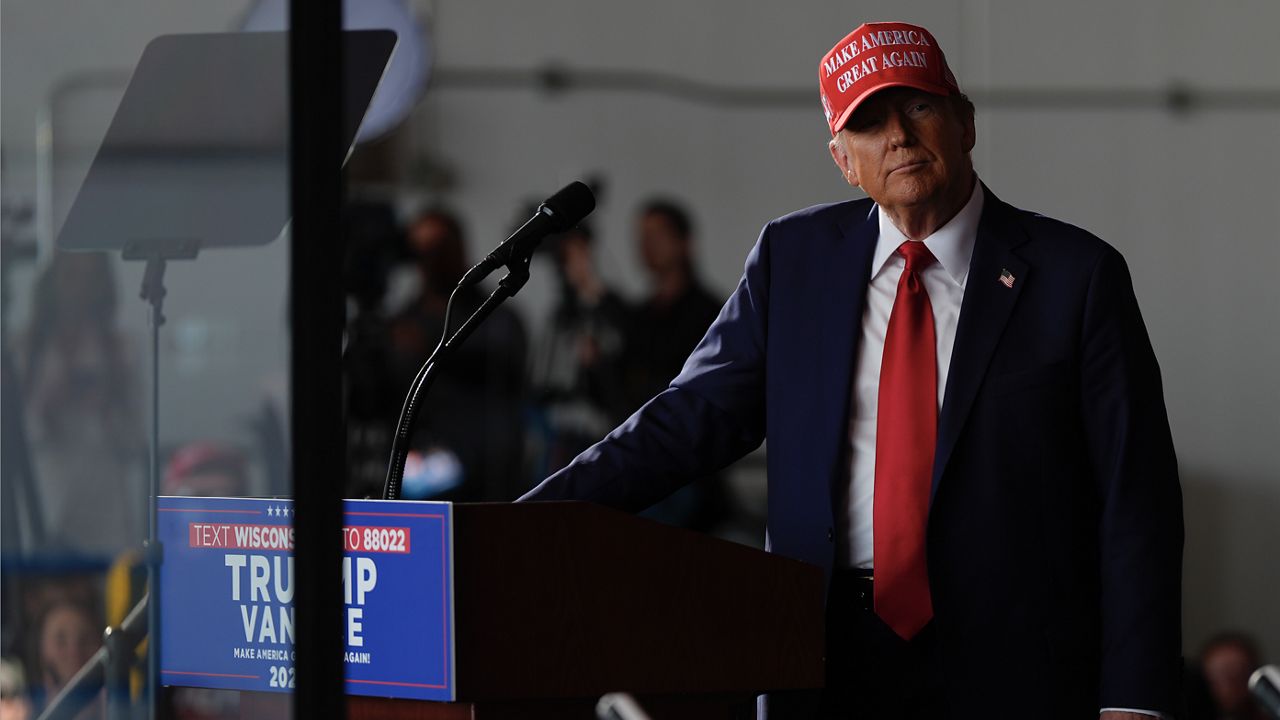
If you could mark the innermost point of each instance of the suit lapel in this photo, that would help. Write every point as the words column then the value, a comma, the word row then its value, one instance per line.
column 845, row 277
column 984, row 313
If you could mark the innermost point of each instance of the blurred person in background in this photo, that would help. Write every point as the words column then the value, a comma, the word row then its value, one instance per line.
column 375, row 247
column 14, row 703
column 206, row 469
column 31, row 603
column 68, row 635
column 1226, row 661
column 663, row 329
column 82, row 415
column 575, row 371
column 667, row 324
column 469, row 442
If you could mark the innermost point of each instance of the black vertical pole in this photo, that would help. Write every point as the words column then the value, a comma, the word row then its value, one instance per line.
column 316, row 320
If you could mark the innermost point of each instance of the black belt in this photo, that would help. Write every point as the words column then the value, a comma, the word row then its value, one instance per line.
column 853, row 586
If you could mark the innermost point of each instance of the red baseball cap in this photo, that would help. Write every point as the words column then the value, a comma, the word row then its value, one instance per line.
column 876, row 56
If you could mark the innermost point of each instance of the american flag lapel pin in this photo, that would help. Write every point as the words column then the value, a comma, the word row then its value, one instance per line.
column 1006, row 278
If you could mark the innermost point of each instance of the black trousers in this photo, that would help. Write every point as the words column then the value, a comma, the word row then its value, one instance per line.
column 872, row 673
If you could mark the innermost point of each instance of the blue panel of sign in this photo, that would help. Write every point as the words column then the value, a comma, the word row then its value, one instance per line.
column 227, row 586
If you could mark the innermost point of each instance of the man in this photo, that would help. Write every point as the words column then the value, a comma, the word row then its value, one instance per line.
column 661, row 331
column 667, row 324
column 575, row 372
column 965, row 420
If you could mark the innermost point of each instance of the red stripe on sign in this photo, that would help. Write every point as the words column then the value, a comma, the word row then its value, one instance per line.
column 382, row 514
column 444, row 600
column 400, row 684
column 206, row 674
column 206, row 510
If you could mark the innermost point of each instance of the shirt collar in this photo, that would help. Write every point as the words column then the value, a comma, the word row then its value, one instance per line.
column 951, row 244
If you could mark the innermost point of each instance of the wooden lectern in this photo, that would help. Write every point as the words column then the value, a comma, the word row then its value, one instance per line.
column 560, row 603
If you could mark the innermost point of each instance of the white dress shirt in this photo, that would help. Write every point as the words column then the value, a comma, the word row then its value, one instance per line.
column 944, row 280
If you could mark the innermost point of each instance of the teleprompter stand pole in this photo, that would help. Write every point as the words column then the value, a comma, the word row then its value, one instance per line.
column 156, row 255
column 153, row 292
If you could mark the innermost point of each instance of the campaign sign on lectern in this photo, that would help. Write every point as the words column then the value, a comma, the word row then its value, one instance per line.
column 227, row 586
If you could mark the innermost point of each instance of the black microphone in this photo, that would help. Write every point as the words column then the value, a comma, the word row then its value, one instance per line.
column 557, row 214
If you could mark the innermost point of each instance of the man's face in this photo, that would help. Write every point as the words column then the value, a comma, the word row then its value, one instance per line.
column 438, row 251
column 67, row 641
column 427, row 236
column 906, row 148
column 575, row 259
column 1227, row 669
column 661, row 248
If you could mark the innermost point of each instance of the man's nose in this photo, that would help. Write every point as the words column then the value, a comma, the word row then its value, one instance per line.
column 898, row 129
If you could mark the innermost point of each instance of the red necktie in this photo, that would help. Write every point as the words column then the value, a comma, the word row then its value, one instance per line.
column 906, row 431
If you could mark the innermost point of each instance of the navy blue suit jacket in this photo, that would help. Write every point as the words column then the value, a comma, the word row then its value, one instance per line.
column 1055, row 523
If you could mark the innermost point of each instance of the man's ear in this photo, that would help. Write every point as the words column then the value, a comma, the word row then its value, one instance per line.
column 840, row 156
column 970, row 135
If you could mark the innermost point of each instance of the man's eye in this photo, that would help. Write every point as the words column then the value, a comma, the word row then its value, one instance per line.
column 864, row 122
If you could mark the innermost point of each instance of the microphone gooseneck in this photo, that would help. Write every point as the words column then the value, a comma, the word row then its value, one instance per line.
column 557, row 214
